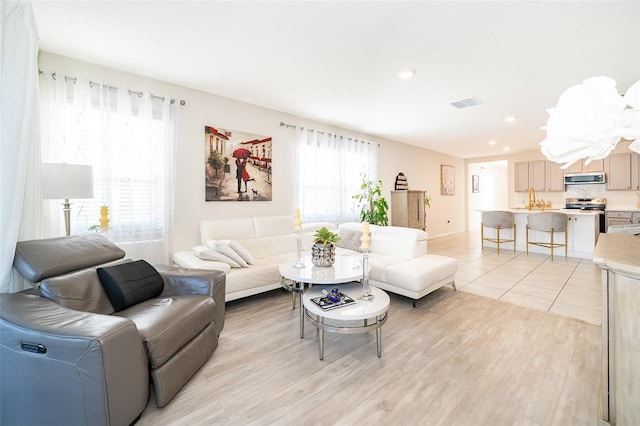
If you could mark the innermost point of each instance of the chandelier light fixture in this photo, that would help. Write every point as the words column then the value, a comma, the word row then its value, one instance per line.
column 589, row 121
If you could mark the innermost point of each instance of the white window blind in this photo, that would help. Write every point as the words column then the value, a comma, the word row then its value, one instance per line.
column 329, row 171
column 128, row 140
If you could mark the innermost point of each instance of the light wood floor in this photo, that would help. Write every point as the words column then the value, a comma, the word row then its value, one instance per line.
column 456, row 359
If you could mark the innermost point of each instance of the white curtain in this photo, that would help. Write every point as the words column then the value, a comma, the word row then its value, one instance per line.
column 18, row 129
column 328, row 173
column 129, row 137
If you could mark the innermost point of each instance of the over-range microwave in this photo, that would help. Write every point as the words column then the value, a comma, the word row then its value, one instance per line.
column 584, row 178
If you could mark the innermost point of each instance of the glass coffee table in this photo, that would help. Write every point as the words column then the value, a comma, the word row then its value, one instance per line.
column 359, row 317
column 345, row 269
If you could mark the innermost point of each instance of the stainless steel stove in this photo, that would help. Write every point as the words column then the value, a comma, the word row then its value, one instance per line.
column 589, row 204
column 586, row 203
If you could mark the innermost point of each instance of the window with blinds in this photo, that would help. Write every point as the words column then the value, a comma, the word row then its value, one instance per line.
column 329, row 172
column 126, row 146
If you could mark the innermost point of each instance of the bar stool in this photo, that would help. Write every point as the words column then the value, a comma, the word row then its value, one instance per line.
column 550, row 222
column 498, row 219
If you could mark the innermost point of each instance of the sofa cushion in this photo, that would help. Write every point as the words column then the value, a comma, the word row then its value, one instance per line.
column 188, row 259
column 168, row 324
column 218, row 229
column 80, row 290
column 130, row 283
column 269, row 246
column 269, row 226
column 421, row 272
column 265, row 271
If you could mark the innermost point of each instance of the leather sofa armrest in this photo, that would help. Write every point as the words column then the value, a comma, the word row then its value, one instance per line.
column 183, row 281
column 72, row 366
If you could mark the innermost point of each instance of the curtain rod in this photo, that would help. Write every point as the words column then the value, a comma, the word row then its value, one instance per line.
column 335, row 135
column 93, row 83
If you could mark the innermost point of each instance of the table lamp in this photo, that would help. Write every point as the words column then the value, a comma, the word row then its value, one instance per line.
column 65, row 181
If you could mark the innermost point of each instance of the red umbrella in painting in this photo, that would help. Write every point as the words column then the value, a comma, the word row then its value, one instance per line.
column 241, row 153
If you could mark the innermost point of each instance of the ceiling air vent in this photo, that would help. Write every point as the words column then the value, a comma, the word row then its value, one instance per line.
column 468, row 102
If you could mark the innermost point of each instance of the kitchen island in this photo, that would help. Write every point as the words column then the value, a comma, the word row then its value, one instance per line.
column 583, row 227
column 619, row 257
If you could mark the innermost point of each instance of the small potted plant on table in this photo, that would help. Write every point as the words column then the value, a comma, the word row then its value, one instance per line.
column 323, row 252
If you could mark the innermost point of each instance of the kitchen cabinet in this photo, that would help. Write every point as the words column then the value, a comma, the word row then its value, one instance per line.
column 583, row 228
column 530, row 174
column 581, row 167
column 544, row 176
column 407, row 209
column 616, row 254
column 623, row 172
column 618, row 218
column 622, row 217
column 521, row 176
column 555, row 177
column 583, row 233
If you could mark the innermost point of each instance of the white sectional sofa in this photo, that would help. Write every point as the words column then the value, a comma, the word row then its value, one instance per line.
column 398, row 256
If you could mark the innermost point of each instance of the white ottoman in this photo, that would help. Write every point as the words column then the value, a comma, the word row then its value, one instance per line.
column 418, row 277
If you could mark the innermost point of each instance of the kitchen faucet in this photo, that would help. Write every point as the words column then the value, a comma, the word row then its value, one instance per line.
column 532, row 198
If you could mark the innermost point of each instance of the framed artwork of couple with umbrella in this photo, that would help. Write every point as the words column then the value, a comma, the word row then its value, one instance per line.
column 238, row 166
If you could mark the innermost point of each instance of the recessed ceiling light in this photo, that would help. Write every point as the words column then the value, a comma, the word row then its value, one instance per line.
column 492, row 142
column 406, row 74
column 511, row 119
column 506, row 148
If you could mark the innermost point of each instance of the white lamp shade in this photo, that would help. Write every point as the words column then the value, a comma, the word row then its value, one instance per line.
column 64, row 181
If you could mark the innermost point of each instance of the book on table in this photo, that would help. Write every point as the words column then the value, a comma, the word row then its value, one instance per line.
column 327, row 304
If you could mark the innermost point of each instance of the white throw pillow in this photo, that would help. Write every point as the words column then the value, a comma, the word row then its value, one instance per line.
column 238, row 248
column 225, row 249
column 206, row 253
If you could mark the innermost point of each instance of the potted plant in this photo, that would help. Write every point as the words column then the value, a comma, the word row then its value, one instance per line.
column 323, row 252
column 373, row 206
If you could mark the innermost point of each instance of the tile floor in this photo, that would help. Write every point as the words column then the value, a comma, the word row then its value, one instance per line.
column 569, row 287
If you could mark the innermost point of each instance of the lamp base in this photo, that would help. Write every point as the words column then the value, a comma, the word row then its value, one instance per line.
column 66, row 208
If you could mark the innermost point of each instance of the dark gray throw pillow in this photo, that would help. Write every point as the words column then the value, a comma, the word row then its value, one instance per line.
column 130, row 283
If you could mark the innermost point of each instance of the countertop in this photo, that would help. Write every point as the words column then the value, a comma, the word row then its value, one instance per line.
column 620, row 253
column 623, row 210
column 522, row 210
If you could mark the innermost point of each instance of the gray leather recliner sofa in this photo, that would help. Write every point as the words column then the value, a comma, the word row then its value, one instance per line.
column 67, row 358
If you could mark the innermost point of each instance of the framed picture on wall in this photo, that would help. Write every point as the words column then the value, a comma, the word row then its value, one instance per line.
column 237, row 166
column 447, row 180
column 475, row 183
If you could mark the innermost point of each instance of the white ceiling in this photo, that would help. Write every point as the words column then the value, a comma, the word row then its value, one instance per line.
column 337, row 62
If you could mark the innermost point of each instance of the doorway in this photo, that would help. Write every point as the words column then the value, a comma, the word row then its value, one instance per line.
column 488, row 189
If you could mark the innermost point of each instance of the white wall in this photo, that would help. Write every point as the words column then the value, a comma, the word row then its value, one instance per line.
column 422, row 167
column 492, row 194
column 422, row 170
